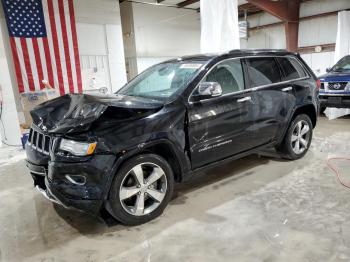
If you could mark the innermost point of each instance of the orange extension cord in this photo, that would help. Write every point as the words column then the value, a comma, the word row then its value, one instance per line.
column 336, row 171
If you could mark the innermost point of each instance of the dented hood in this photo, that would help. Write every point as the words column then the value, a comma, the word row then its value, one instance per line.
column 76, row 113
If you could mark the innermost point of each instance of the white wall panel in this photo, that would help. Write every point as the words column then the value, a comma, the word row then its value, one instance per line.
column 91, row 39
column 9, row 131
column 100, row 35
column 116, row 59
column 163, row 31
column 97, row 12
column 272, row 37
column 318, row 31
column 315, row 7
column 319, row 62
column 262, row 19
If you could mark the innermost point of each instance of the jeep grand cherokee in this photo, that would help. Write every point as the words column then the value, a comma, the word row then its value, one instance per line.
column 123, row 152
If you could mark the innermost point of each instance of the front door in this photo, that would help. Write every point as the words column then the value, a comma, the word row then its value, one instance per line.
column 221, row 127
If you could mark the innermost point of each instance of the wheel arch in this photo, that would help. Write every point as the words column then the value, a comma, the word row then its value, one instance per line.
column 308, row 110
column 165, row 150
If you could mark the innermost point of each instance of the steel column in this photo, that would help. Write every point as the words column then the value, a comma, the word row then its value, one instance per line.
column 288, row 12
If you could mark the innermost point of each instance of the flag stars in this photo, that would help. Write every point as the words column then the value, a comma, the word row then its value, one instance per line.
column 25, row 18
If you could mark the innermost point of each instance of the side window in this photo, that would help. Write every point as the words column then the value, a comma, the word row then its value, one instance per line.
column 298, row 67
column 292, row 69
column 288, row 69
column 229, row 75
column 263, row 71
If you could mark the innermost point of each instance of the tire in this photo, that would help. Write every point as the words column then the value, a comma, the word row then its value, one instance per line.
column 288, row 148
column 127, row 192
column 322, row 109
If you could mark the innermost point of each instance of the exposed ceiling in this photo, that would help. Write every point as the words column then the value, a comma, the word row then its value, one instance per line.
column 195, row 4
column 243, row 5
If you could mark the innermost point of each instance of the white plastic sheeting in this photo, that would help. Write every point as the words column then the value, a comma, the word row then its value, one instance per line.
column 219, row 26
column 342, row 48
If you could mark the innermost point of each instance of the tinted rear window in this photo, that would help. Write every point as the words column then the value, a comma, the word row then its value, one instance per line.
column 263, row 71
column 291, row 68
column 298, row 67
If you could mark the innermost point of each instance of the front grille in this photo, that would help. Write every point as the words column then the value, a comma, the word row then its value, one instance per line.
column 337, row 85
column 39, row 141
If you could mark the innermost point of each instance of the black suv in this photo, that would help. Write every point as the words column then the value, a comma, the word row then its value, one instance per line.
column 122, row 153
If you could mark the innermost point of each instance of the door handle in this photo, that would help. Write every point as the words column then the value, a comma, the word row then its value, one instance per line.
column 286, row 89
column 244, row 99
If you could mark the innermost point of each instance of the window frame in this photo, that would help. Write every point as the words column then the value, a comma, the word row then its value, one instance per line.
column 247, row 84
column 211, row 69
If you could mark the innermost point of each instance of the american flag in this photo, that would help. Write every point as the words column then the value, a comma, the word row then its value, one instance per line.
column 44, row 44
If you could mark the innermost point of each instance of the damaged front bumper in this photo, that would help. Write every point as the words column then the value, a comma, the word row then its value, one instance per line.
column 48, row 195
column 79, row 185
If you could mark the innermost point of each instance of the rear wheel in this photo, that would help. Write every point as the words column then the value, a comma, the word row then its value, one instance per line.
column 141, row 189
column 298, row 138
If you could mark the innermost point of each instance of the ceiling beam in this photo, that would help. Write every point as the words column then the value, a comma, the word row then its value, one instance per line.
column 285, row 10
column 288, row 12
column 187, row 2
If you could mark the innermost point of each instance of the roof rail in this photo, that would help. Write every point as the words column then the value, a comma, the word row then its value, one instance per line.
column 257, row 51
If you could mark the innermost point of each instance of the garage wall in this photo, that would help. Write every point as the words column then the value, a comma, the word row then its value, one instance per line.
column 100, row 44
column 165, row 31
column 9, row 127
column 162, row 32
column 312, row 32
column 319, row 62
column 159, row 33
column 272, row 37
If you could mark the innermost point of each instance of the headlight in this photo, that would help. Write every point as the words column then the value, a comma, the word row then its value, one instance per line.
column 77, row 148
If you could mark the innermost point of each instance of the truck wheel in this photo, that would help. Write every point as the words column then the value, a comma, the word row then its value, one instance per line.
column 297, row 139
column 141, row 189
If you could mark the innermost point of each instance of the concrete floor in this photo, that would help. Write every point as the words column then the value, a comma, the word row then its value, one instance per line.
column 253, row 209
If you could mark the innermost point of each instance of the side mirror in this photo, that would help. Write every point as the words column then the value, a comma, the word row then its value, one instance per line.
column 209, row 89
column 328, row 69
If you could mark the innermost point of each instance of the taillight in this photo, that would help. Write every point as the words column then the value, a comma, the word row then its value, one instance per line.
column 318, row 82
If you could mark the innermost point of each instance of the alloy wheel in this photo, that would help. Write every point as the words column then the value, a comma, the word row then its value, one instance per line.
column 143, row 189
column 300, row 137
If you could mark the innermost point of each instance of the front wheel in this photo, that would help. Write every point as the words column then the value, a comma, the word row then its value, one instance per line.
column 298, row 138
column 141, row 189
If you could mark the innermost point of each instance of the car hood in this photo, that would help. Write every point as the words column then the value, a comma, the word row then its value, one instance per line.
column 335, row 76
column 76, row 113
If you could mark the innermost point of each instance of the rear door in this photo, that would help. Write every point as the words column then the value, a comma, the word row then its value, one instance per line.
column 270, row 93
column 220, row 127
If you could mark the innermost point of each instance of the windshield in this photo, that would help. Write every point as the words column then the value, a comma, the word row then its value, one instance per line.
column 162, row 80
column 342, row 65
